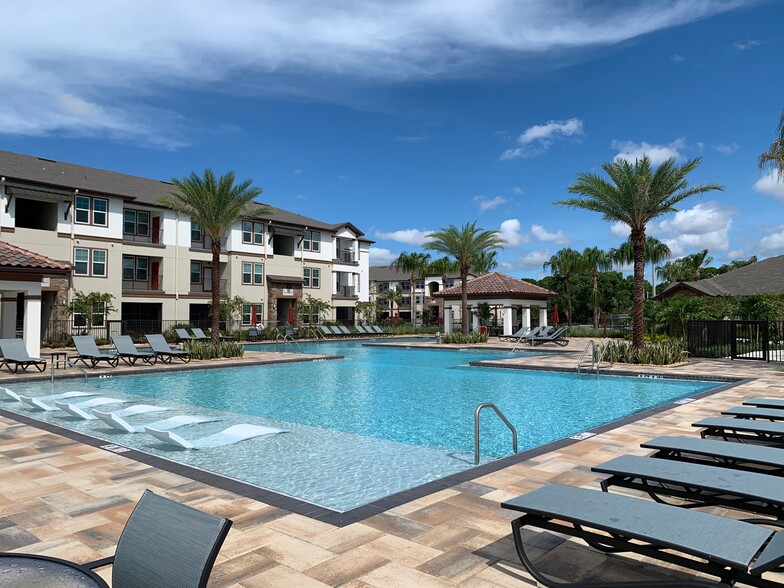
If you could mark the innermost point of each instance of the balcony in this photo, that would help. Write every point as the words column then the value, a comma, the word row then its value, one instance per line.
column 346, row 256
column 154, row 284
column 206, row 244
column 153, row 237
column 345, row 292
column 206, row 288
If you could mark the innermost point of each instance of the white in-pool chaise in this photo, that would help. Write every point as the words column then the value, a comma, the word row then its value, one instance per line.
column 43, row 402
column 115, row 420
column 229, row 436
column 14, row 396
column 80, row 409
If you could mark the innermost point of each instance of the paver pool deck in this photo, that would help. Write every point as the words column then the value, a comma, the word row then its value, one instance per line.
column 62, row 498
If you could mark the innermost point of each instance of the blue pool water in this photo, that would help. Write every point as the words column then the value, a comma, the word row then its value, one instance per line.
column 382, row 420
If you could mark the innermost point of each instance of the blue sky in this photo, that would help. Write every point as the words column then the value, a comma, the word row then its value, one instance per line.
column 404, row 117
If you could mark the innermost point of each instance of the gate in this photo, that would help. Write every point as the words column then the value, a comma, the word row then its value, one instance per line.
column 747, row 340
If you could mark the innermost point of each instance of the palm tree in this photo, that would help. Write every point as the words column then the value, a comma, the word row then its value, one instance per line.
column 595, row 260
column 655, row 252
column 566, row 264
column 636, row 195
column 443, row 266
column 466, row 245
column 215, row 204
column 393, row 296
column 694, row 263
column 773, row 158
column 486, row 262
column 413, row 264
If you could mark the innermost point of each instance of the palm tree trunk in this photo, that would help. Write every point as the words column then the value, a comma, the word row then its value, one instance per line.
column 413, row 300
column 464, row 300
column 595, row 300
column 569, row 301
column 215, row 285
column 638, row 292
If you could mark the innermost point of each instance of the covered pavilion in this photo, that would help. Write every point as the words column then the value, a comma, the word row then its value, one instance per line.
column 512, row 295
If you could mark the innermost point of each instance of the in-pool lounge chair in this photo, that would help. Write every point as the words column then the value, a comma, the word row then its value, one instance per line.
column 15, row 354
column 14, row 396
column 165, row 543
column 42, row 403
column 742, row 430
column 165, row 353
column 129, row 353
column 738, row 456
column 81, row 409
column 88, row 353
column 558, row 337
column 731, row 550
column 183, row 335
column 229, row 436
column 116, row 419
column 697, row 484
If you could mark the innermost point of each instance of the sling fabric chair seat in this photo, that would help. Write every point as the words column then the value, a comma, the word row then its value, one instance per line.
column 742, row 430
column 183, row 335
column 165, row 353
column 129, row 353
column 755, row 413
column 15, row 354
column 521, row 332
column 379, row 330
column 731, row 550
column 88, row 353
column 558, row 337
column 326, row 331
column 343, row 329
column 765, row 402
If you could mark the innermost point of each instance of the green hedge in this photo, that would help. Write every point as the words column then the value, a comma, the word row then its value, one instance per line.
column 461, row 339
column 209, row 350
column 667, row 353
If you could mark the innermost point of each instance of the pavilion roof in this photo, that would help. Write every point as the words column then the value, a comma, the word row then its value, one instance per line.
column 499, row 285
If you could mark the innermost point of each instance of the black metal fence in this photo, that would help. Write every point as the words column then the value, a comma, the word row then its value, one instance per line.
column 736, row 339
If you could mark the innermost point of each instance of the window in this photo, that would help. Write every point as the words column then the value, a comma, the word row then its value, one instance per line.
column 86, row 207
column 311, row 241
column 312, row 277
column 420, row 284
column 252, row 232
column 195, row 272
column 90, row 262
column 135, row 268
column 196, row 233
column 98, row 315
column 406, row 286
column 252, row 273
column 252, row 313
column 136, row 222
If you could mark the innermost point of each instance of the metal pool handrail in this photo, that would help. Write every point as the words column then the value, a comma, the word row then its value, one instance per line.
column 601, row 356
column 289, row 340
column 69, row 363
column 592, row 346
column 476, row 428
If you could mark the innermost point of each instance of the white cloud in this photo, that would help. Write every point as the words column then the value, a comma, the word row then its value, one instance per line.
column 534, row 259
column 486, row 203
column 123, row 60
column 538, row 138
column 381, row 256
column 407, row 236
column 620, row 229
column 510, row 232
column 726, row 149
column 746, row 45
column 704, row 226
column 677, row 58
column 517, row 190
column 631, row 151
column 773, row 242
column 540, row 234
column 770, row 185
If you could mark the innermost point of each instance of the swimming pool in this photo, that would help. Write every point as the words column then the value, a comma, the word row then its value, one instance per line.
column 383, row 420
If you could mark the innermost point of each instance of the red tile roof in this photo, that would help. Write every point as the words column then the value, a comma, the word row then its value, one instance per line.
column 15, row 257
column 498, row 284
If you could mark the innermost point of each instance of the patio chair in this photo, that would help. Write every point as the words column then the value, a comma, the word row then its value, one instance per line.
column 116, row 420
column 165, row 543
column 326, row 331
column 742, row 430
column 88, row 353
column 253, row 334
column 165, row 353
column 755, row 413
column 220, row 336
column 82, row 409
column 129, row 353
column 336, row 331
column 736, row 456
column 765, row 402
column 183, row 335
column 344, row 329
column 378, row 330
column 697, row 484
column 365, row 331
column 521, row 332
column 558, row 337
column 229, row 436
column 731, row 550
column 15, row 353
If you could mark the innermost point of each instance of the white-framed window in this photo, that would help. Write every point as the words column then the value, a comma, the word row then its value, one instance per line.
column 253, row 232
column 136, row 268
column 89, row 210
column 136, row 222
column 195, row 272
column 406, row 286
column 252, row 313
column 311, row 277
column 311, row 241
column 252, row 273
column 99, row 314
column 197, row 235
column 90, row 262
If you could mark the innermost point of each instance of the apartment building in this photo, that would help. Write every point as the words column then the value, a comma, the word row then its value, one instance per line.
column 158, row 263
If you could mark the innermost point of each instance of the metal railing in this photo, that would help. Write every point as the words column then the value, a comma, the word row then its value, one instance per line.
column 69, row 363
column 600, row 356
column 202, row 288
column 152, row 284
column 288, row 339
column 154, row 237
column 206, row 243
column 346, row 256
column 476, row 428
column 592, row 346
column 345, row 292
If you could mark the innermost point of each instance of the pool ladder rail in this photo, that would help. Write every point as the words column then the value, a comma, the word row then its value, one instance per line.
column 55, row 365
column 476, row 428
column 597, row 355
column 289, row 339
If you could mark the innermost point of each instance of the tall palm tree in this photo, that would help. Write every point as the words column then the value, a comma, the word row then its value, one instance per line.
column 215, row 204
column 636, row 194
column 415, row 265
column 595, row 260
column 466, row 245
column 773, row 158
column 486, row 262
column 393, row 296
column 655, row 252
column 566, row 264
column 694, row 263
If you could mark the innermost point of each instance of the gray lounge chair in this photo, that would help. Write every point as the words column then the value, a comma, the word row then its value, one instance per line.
column 361, row 330
column 344, row 329
column 337, row 332
column 755, row 413
column 220, row 336
column 253, row 334
column 164, row 352
column 326, row 331
column 743, row 430
column 129, row 353
column 731, row 550
column 88, row 353
column 697, row 484
column 184, row 335
column 765, row 402
column 378, row 330
column 558, row 337
column 521, row 332
column 165, row 543
column 15, row 354
column 739, row 456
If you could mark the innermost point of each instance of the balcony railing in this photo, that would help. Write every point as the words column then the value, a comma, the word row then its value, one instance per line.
column 346, row 292
column 202, row 288
column 206, row 243
column 345, row 256
column 154, row 237
column 153, row 284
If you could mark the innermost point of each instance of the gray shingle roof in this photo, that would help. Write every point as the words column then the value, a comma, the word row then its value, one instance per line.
column 762, row 277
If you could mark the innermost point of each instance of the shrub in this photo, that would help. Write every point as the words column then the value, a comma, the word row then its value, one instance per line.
column 579, row 331
column 666, row 353
column 460, row 339
column 208, row 350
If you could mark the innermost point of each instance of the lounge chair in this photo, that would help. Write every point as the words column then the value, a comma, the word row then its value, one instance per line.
column 521, row 332
column 15, row 353
column 82, row 409
column 336, row 331
column 220, row 336
column 165, row 543
column 253, row 334
column 88, row 353
column 116, row 420
column 558, row 337
column 697, row 484
column 765, row 402
column 731, row 550
column 325, row 330
column 739, row 456
column 42, row 404
column 344, row 329
column 379, row 330
column 229, row 436
column 183, row 335
column 165, row 353
column 742, row 430
column 14, row 396
column 755, row 413
column 129, row 353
